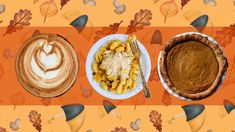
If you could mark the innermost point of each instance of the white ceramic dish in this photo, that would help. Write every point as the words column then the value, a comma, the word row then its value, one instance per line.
column 145, row 63
column 160, row 75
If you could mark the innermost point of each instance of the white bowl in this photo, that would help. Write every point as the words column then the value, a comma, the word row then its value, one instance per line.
column 160, row 75
column 145, row 64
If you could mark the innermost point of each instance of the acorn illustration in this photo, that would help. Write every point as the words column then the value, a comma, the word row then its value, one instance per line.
column 75, row 116
column 195, row 116
column 200, row 23
column 108, row 108
column 80, row 22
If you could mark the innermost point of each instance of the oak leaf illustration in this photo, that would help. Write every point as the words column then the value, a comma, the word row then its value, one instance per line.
column 166, row 99
column 183, row 3
column 224, row 36
column 21, row 19
column 113, row 28
column 35, row 118
column 119, row 129
column 142, row 18
column 155, row 118
column 63, row 3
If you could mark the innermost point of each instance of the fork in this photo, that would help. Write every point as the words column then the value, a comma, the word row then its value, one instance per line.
column 137, row 53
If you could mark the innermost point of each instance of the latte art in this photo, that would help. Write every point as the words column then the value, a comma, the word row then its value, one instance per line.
column 47, row 65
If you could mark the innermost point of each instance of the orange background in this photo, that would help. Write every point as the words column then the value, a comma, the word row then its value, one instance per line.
column 103, row 15
column 82, row 46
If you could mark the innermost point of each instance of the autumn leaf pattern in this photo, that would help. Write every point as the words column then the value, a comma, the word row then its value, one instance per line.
column 119, row 129
column 142, row 18
column 21, row 19
column 48, row 9
column 224, row 36
column 155, row 118
column 63, row 3
column 168, row 9
column 183, row 3
column 35, row 118
column 113, row 28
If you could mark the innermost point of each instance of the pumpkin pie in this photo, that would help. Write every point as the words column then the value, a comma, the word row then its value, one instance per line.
column 192, row 66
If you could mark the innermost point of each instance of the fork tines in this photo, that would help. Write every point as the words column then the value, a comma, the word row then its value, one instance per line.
column 135, row 48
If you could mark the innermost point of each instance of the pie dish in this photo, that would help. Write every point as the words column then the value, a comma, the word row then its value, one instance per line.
column 47, row 65
column 192, row 65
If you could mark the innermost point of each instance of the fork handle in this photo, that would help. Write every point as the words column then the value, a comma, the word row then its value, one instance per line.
column 144, row 83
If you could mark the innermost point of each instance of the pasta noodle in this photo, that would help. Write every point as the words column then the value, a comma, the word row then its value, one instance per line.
column 115, row 67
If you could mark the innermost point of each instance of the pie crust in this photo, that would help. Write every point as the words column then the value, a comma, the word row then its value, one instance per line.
column 205, row 90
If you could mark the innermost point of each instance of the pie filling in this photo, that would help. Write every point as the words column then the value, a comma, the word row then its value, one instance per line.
column 192, row 66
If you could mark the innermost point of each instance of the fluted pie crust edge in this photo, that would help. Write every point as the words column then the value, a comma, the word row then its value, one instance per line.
column 222, row 61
